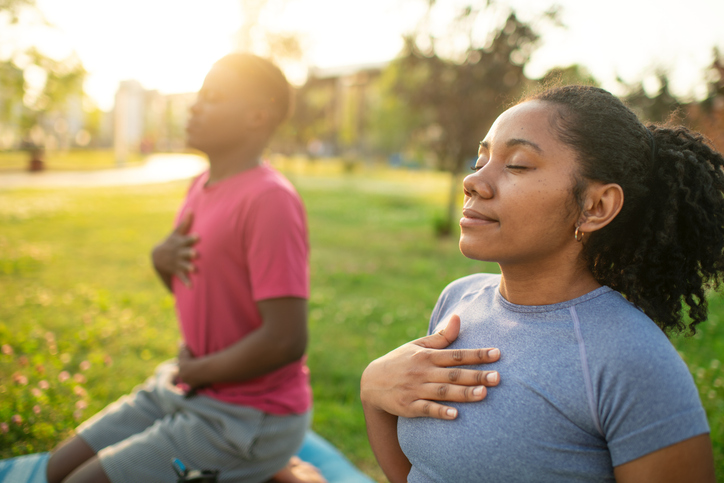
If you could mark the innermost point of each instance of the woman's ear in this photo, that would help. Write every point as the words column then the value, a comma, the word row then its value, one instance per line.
column 603, row 202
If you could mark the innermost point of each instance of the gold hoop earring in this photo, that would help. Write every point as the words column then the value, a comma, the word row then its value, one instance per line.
column 575, row 235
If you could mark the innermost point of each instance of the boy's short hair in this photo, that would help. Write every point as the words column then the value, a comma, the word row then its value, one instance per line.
column 264, row 77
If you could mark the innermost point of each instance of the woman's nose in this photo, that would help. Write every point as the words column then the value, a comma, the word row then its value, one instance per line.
column 476, row 185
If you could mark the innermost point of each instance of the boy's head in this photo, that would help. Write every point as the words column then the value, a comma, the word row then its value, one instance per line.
column 244, row 98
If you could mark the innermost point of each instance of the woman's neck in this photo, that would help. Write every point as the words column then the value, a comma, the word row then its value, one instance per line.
column 545, row 285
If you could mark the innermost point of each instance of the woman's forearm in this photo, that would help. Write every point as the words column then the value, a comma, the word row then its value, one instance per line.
column 382, row 434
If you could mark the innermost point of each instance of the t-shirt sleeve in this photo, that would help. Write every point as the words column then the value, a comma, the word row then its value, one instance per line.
column 277, row 248
column 647, row 398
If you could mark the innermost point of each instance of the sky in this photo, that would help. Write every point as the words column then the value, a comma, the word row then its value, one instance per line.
column 169, row 45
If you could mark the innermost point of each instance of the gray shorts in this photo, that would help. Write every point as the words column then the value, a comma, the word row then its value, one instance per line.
column 137, row 437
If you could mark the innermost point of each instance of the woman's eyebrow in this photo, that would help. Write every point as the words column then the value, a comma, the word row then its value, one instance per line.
column 523, row 142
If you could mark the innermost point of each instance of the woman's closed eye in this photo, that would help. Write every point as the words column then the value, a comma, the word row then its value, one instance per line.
column 516, row 167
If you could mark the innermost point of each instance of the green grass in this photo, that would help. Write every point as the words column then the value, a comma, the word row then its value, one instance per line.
column 75, row 160
column 76, row 285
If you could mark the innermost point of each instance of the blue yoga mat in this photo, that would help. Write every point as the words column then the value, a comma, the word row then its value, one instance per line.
column 24, row 469
column 315, row 450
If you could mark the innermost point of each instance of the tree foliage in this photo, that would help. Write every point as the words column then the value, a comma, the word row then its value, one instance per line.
column 652, row 108
column 35, row 86
column 457, row 96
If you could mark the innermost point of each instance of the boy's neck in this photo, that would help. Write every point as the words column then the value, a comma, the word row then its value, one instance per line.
column 224, row 164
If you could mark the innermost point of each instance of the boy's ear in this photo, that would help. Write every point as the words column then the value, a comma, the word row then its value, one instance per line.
column 602, row 204
column 259, row 117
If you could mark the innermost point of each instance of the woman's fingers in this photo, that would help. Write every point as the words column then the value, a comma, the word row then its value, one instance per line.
column 464, row 377
column 443, row 337
column 452, row 392
column 430, row 409
column 464, row 357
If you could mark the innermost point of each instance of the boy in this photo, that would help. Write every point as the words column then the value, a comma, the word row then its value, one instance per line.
column 238, row 399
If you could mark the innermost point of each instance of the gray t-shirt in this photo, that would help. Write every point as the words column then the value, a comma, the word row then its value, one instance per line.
column 586, row 385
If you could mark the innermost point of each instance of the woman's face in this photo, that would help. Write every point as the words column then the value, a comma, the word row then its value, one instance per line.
column 519, row 206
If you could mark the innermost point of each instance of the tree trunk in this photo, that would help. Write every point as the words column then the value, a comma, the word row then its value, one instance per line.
column 453, row 212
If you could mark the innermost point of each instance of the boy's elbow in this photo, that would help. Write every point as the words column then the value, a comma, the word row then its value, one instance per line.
column 292, row 347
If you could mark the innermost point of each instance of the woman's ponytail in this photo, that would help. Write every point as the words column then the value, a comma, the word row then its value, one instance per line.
column 683, row 233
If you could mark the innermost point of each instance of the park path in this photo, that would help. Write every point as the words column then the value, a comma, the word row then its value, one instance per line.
column 159, row 168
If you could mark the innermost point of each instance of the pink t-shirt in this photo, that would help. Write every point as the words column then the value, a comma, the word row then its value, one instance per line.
column 253, row 246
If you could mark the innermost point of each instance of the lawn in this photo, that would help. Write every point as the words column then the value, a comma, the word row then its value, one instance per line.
column 83, row 318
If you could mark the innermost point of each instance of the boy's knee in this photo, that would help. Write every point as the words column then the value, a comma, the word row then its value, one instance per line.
column 66, row 457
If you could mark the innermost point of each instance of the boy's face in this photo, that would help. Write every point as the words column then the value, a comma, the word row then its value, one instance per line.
column 225, row 112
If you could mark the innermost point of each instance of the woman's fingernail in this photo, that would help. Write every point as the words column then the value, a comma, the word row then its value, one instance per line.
column 452, row 412
column 478, row 391
column 492, row 353
column 492, row 377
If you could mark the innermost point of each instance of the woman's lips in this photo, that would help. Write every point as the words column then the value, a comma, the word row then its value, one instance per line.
column 474, row 218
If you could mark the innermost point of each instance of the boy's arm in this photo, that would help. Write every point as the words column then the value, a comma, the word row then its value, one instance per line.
column 280, row 340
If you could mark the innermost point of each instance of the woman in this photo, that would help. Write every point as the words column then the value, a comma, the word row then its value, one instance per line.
column 576, row 200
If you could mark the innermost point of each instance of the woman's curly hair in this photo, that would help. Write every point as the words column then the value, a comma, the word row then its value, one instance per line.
column 666, row 245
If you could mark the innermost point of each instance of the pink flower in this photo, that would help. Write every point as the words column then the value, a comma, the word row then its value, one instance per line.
column 107, row 360
column 43, row 384
column 63, row 376
column 4, row 427
column 50, row 337
column 79, row 391
column 20, row 379
column 85, row 365
column 40, row 368
column 81, row 404
column 7, row 349
column 36, row 392
column 23, row 360
column 78, row 414
column 17, row 419
column 79, row 378
column 36, row 409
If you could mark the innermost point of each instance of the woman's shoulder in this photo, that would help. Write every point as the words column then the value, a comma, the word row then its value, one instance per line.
column 612, row 316
column 617, row 334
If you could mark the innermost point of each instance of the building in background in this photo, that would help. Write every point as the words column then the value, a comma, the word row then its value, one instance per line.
column 147, row 121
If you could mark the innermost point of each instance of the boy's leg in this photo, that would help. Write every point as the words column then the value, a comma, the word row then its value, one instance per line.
column 69, row 455
column 127, row 416
column 243, row 443
column 89, row 472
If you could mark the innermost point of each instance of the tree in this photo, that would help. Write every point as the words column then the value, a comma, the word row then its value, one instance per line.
column 253, row 36
column 565, row 76
column 458, row 96
column 708, row 115
column 36, row 88
column 656, row 108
